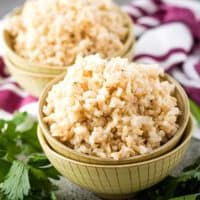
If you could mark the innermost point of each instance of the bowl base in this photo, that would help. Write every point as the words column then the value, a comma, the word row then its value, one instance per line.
column 117, row 196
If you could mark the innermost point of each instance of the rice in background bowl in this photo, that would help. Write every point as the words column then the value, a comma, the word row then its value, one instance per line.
column 112, row 108
column 54, row 33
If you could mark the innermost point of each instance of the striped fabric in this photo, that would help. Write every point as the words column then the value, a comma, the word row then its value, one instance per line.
column 167, row 32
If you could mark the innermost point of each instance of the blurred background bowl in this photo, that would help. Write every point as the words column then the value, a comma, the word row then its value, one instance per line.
column 72, row 154
column 32, row 82
column 39, row 69
column 118, row 181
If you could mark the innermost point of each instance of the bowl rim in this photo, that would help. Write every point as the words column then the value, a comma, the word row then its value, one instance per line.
column 128, row 43
column 10, row 64
column 95, row 158
column 184, row 142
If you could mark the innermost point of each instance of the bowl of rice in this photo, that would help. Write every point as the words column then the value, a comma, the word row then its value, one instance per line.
column 118, row 181
column 112, row 111
column 46, row 38
column 31, row 82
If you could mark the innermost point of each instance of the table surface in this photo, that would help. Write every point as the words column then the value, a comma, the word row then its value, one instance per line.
column 68, row 190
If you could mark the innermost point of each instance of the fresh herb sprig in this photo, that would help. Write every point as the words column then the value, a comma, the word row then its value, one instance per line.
column 195, row 109
column 186, row 186
column 25, row 172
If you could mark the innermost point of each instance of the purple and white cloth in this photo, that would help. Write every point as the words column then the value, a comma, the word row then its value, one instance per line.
column 167, row 33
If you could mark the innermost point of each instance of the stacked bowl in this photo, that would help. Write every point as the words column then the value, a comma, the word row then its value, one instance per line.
column 117, row 179
column 33, row 77
column 109, row 178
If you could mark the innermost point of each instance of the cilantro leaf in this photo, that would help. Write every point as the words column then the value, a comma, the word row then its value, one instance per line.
column 176, row 188
column 191, row 172
column 195, row 109
column 40, row 161
column 29, row 140
column 19, row 118
column 8, row 137
column 16, row 185
column 5, row 165
column 188, row 197
column 194, row 166
column 25, row 172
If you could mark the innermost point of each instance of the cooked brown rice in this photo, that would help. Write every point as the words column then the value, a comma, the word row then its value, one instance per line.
column 112, row 108
column 55, row 32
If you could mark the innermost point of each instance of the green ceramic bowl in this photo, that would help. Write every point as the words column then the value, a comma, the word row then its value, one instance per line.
column 118, row 181
column 72, row 154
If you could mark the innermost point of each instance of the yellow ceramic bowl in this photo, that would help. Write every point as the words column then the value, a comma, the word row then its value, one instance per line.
column 26, row 65
column 116, row 181
column 34, row 76
column 30, row 81
column 72, row 154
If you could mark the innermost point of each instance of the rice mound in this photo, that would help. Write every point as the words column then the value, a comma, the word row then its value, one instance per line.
column 112, row 108
column 55, row 32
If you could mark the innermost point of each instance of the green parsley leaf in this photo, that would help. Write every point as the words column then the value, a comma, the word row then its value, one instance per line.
column 16, row 185
column 194, row 166
column 19, row 118
column 188, row 182
column 195, row 109
column 188, row 197
column 5, row 166
column 191, row 172
column 25, row 172
column 38, row 160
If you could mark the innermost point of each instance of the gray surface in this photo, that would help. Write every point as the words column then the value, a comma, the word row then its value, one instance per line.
column 7, row 5
column 69, row 191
